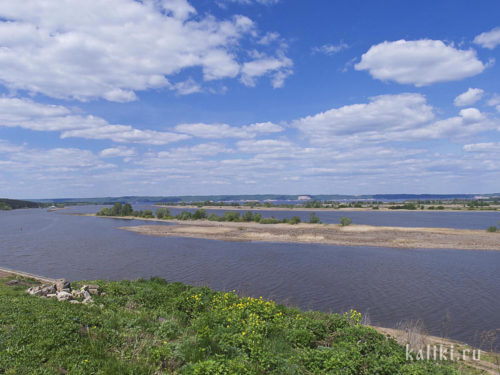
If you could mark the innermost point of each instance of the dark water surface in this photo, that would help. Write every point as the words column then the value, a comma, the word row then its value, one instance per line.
column 390, row 284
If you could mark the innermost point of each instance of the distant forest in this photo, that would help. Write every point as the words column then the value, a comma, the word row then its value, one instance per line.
column 261, row 198
column 13, row 204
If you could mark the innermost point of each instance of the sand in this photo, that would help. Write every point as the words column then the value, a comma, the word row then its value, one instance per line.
column 333, row 234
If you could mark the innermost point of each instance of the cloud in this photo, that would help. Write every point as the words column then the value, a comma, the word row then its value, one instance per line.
column 89, row 49
column 114, row 152
column 265, row 146
column 420, row 62
column 330, row 49
column 489, row 39
column 27, row 114
column 471, row 96
column 488, row 147
column 223, row 3
column 216, row 131
column 278, row 68
column 495, row 102
column 390, row 118
column 385, row 114
column 23, row 159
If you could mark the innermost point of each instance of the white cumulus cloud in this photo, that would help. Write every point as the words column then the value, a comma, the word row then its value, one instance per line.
column 111, row 49
column 489, row 39
column 215, row 131
column 471, row 96
column 419, row 62
column 27, row 114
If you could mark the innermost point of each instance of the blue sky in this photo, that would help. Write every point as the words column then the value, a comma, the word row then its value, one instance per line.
column 170, row 97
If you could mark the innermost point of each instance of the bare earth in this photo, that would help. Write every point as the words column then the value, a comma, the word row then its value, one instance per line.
column 354, row 235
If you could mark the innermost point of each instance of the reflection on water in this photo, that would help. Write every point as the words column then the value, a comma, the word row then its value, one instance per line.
column 391, row 285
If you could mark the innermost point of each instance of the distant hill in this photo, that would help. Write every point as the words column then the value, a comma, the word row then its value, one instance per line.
column 265, row 197
column 12, row 204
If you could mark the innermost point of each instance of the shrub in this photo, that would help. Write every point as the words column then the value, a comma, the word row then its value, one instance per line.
column 492, row 229
column 199, row 214
column 184, row 215
column 345, row 221
column 269, row 220
column 294, row 220
column 314, row 219
column 162, row 213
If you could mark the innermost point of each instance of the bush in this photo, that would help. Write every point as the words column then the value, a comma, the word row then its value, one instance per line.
column 269, row 220
column 345, row 221
column 162, row 213
column 492, row 229
column 314, row 219
column 200, row 214
column 184, row 215
column 294, row 220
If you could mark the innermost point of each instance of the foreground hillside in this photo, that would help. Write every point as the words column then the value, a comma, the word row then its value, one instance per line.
column 152, row 327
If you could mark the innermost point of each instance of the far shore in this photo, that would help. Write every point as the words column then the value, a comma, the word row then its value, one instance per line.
column 299, row 209
column 332, row 234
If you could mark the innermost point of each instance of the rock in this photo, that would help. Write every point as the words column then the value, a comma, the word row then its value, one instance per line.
column 67, row 290
column 51, row 295
column 64, row 296
column 62, row 284
column 88, row 300
column 77, row 293
column 86, row 295
column 35, row 290
column 12, row 282
column 48, row 289
column 85, row 287
column 93, row 291
column 74, row 301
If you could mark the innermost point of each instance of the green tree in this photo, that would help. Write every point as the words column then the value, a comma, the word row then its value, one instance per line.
column 126, row 210
column 162, row 213
column 247, row 216
column 200, row 214
column 116, row 210
column 345, row 221
column 314, row 219
column 294, row 220
column 148, row 214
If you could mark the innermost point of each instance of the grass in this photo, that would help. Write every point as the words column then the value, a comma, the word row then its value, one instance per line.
column 153, row 327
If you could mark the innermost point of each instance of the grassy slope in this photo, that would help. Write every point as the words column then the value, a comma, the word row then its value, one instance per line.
column 151, row 327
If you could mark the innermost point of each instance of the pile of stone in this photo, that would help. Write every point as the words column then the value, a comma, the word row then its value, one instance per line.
column 63, row 292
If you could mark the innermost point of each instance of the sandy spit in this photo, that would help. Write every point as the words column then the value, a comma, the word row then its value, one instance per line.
column 354, row 235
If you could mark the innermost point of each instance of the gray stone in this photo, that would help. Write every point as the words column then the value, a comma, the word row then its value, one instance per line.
column 74, row 301
column 62, row 284
column 64, row 296
column 35, row 290
column 48, row 289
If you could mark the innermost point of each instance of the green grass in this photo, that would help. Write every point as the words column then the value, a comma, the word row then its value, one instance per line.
column 152, row 327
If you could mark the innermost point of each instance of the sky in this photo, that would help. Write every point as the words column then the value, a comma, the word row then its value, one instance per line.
column 177, row 97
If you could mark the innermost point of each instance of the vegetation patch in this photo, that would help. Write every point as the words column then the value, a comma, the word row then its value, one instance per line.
column 153, row 327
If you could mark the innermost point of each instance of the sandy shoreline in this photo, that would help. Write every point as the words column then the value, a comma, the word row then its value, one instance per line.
column 333, row 234
column 302, row 209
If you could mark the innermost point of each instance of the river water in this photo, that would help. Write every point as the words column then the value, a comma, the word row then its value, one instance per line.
column 455, row 292
column 436, row 219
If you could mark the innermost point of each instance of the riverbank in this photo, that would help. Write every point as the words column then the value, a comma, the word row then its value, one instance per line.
column 332, row 234
column 448, row 208
column 146, row 327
